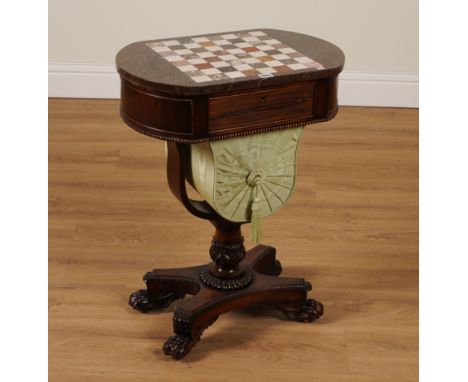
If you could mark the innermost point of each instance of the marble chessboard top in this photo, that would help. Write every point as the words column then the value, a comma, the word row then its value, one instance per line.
column 232, row 55
column 227, row 61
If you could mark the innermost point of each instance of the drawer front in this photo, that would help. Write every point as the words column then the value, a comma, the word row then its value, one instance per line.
column 155, row 114
column 258, row 108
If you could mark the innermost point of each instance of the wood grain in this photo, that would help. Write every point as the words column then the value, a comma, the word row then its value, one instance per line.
column 279, row 105
column 351, row 227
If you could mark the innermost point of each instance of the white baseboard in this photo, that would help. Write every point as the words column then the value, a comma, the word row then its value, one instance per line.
column 68, row 80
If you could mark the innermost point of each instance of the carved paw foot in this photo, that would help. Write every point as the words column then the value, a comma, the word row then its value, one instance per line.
column 306, row 311
column 141, row 301
column 178, row 346
column 277, row 269
column 309, row 311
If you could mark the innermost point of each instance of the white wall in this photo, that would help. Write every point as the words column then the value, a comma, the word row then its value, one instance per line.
column 379, row 37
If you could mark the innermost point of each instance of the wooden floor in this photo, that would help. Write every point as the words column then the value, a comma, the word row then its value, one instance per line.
column 351, row 228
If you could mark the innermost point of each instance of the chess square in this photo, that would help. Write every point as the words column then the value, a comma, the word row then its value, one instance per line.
column 201, row 78
column 211, row 71
column 250, row 60
column 234, row 74
column 265, row 47
column 171, row 43
column 227, row 57
column 235, row 51
column 173, row 58
column 257, row 33
column 214, row 58
column 160, row 49
column 200, row 39
column 258, row 53
column 236, row 62
column 273, row 52
column 177, row 47
column 297, row 66
column 221, row 64
column 226, row 69
column 192, row 45
column 273, row 63
column 280, row 56
column 282, row 69
column 221, row 42
column 251, row 39
column 271, row 42
column 287, row 50
column 205, row 65
column 243, row 67
column 303, row 59
column 230, row 36
column 214, row 48
column 266, row 70
column 183, row 52
column 187, row 68
column 197, row 61
column 259, row 64
column 206, row 54
column 198, row 50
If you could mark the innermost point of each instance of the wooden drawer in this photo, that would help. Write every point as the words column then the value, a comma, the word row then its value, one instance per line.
column 258, row 108
column 155, row 114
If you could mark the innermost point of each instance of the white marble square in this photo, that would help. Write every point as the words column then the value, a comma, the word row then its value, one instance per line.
column 265, row 47
column 266, row 70
column 258, row 53
column 213, row 48
column 196, row 61
column 206, row 54
column 287, row 50
column 192, row 45
column 274, row 63
column 250, row 60
column 211, row 71
column 221, row 42
column 230, row 36
column 296, row 66
column 243, row 67
column 280, row 56
column 220, row 64
column 160, row 49
column 202, row 78
column 251, row 39
column 174, row 58
column 187, row 68
column 171, row 42
column 234, row 74
column 303, row 60
column 227, row 57
column 236, row 51
column 257, row 33
column 272, row 42
column 200, row 39
column 183, row 52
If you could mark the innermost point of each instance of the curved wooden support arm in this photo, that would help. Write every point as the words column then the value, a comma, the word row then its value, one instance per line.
column 177, row 159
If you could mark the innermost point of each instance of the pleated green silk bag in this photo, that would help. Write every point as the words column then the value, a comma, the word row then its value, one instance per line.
column 246, row 178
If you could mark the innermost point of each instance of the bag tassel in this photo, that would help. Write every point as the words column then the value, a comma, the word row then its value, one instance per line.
column 255, row 221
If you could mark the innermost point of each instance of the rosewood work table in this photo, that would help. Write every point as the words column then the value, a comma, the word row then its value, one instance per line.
column 196, row 90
